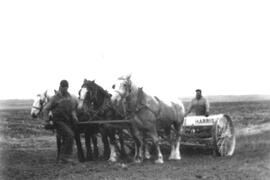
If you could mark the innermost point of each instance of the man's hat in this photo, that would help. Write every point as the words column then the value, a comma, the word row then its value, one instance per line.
column 198, row 90
column 64, row 83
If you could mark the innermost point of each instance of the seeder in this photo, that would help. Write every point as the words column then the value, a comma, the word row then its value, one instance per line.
column 215, row 132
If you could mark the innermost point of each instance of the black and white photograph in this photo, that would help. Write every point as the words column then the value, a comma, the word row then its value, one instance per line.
column 135, row 90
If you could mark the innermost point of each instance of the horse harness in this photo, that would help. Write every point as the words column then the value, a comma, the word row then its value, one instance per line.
column 140, row 105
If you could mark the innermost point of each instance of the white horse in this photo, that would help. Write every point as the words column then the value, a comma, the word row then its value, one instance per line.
column 39, row 103
column 148, row 115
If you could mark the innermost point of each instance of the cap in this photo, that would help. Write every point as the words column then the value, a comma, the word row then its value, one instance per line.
column 64, row 83
column 198, row 90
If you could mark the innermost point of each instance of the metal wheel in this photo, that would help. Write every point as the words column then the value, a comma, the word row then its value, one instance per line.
column 223, row 136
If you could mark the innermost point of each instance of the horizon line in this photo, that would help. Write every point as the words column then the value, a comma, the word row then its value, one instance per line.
column 188, row 96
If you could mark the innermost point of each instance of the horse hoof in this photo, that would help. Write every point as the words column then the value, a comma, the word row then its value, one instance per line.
column 112, row 160
column 175, row 158
column 138, row 161
column 159, row 161
column 147, row 156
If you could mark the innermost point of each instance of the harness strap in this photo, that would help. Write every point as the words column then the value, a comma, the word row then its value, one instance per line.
column 38, row 108
column 140, row 105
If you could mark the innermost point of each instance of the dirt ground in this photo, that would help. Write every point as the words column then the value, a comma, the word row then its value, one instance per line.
column 28, row 151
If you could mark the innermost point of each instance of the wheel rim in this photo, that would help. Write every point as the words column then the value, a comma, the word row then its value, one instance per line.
column 225, row 136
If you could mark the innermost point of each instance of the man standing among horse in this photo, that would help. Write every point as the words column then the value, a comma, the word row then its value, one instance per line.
column 63, row 107
column 199, row 105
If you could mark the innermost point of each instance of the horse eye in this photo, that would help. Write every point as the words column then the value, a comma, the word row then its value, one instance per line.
column 113, row 86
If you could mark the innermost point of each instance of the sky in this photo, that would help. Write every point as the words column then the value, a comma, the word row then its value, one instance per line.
column 169, row 47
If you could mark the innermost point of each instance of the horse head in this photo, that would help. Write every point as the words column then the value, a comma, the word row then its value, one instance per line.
column 125, row 94
column 122, row 88
column 39, row 102
column 91, row 94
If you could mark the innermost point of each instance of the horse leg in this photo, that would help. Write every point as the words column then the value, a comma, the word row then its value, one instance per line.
column 106, row 145
column 122, row 145
column 79, row 146
column 155, row 138
column 95, row 144
column 113, row 146
column 89, row 156
column 171, row 140
column 147, row 154
column 58, row 143
column 138, row 158
column 175, row 143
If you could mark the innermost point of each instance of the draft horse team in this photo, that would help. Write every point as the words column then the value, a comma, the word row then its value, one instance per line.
column 147, row 116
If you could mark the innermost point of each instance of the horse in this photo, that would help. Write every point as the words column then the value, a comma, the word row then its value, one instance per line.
column 37, row 111
column 148, row 115
column 93, row 95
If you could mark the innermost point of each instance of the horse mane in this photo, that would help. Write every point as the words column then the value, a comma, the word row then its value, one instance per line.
column 140, row 96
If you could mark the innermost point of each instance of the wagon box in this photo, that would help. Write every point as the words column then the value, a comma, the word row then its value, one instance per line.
column 201, row 120
column 215, row 132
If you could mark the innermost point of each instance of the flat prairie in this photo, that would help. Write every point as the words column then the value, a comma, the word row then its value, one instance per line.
column 28, row 151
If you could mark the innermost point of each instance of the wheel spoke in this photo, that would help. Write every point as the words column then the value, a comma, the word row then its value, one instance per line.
column 224, row 137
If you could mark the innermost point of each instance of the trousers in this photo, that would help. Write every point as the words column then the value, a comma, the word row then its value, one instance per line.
column 67, row 136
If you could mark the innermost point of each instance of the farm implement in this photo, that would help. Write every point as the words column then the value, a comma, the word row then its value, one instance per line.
column 215, row 132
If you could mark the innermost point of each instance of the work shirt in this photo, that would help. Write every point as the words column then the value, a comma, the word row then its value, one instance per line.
column 63, row 108
column 199, row 106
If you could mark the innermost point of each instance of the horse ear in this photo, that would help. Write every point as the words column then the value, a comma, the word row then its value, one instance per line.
column 55, row 92
column 85, row 80
column 45, row 93
column 128, row 76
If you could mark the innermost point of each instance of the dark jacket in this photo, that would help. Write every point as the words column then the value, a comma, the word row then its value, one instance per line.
column 63, row 108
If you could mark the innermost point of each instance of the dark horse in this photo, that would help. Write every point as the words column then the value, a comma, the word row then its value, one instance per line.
column 96, row 101
column 148, row 115
column 90, row 134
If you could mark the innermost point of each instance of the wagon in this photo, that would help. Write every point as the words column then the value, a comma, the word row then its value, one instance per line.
column 215, row 132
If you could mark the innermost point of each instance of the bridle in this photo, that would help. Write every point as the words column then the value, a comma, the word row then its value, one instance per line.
column 42, row 103
column 127, row 87
column 38, row 108
column 139, row 104
column 125, row 96
column 92, row 96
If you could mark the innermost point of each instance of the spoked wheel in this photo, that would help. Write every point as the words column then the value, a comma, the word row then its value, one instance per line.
column 223, row 137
